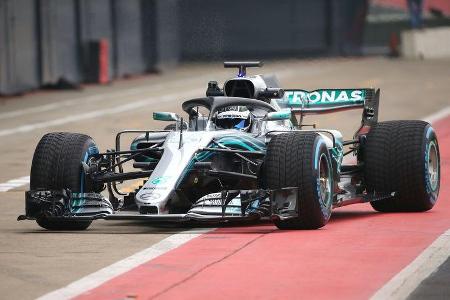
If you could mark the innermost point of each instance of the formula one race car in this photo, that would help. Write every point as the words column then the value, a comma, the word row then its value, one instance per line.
column 242, row 154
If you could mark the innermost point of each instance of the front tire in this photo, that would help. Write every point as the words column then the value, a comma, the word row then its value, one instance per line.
column 302, row 160
column 403, row 157
column 57, row 165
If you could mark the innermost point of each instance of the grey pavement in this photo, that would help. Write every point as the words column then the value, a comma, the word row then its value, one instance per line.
column 34, row 261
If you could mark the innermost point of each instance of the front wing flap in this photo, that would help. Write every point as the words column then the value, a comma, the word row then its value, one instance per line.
column 62, row 204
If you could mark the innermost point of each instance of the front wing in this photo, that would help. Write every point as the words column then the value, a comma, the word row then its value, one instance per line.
column 62, row 204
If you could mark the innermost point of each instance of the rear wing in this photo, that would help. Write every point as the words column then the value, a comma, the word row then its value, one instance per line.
column 332, row 100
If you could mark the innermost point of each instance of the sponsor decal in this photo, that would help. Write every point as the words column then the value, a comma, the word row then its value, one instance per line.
column 187, row 138
column 152, row 188
column 160, row 180
column 301, row 97
column 149, row 196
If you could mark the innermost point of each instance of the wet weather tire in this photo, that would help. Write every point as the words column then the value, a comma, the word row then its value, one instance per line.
column 402, row 157
column 302, row 160
column 57, row 165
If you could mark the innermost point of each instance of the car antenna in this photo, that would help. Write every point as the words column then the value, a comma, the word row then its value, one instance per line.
column 196, row 121
column 242, row 66
column 181, row 133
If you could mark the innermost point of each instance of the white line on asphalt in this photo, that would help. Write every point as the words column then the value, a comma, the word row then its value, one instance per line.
column 95, row 279
column 405, row 282
column 122, row 93
column 102, row 112
column 14, row 183
column 69, row 102
column 99, row 97
column 97, row 113
column 107, row 96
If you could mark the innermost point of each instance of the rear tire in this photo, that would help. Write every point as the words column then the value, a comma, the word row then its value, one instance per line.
column 298, row 159
column 403, row 157
column 57, row 165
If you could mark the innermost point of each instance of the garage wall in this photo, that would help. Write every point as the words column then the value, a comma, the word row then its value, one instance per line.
column 166, row 22
column 129, row 57
column 95, row 23
column 19, row 59
column 43, row 41
column 252, row 28
column 59, row 53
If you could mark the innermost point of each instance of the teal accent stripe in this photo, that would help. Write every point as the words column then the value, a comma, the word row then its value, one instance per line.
column 316, row 161
column 430, row 129
column 229, row 141
column 80, row 201
column 255, row 143
column 245, row 142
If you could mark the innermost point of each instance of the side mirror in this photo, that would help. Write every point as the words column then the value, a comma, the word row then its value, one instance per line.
column 278, row 115
column 165, row 116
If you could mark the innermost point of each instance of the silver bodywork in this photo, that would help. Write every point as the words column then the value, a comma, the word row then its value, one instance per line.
column 196, row 170
column 178, row 158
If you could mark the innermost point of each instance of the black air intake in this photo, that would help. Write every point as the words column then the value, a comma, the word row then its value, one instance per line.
column 240, row 88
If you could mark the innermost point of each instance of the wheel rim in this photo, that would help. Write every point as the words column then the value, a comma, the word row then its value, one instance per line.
column 324, row 180
column 433, row 166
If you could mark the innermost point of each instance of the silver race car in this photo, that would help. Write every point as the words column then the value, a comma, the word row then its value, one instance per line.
column 242, row 153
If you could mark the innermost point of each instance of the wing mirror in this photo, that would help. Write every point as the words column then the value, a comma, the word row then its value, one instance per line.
column 165, row 116
column 278, row 115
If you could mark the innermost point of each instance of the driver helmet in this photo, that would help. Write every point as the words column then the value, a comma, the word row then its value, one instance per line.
column 234, row 117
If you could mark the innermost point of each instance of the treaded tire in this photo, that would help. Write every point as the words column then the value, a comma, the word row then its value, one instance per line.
column 397, row 157
column 57, row 165
column 292, row 161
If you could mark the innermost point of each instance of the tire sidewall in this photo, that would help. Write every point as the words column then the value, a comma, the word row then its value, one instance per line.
column 320, row 148
column 85, row 185
column 89, row 149
column 429, row 140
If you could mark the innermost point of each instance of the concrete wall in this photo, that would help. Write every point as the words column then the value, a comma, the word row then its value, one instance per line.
column 426, row 43
column 19, row 56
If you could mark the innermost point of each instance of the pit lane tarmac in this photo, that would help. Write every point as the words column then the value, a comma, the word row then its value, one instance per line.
column 34, row 262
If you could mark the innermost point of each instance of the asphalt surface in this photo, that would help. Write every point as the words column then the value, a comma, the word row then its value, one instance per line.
column 34, row 261
column 436, row 286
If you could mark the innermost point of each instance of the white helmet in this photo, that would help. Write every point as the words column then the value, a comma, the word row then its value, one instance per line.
column 234, row 117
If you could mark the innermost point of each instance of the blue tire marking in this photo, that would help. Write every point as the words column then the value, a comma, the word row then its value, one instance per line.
column 90, row 151
column 316, row 159
column 430, row 129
